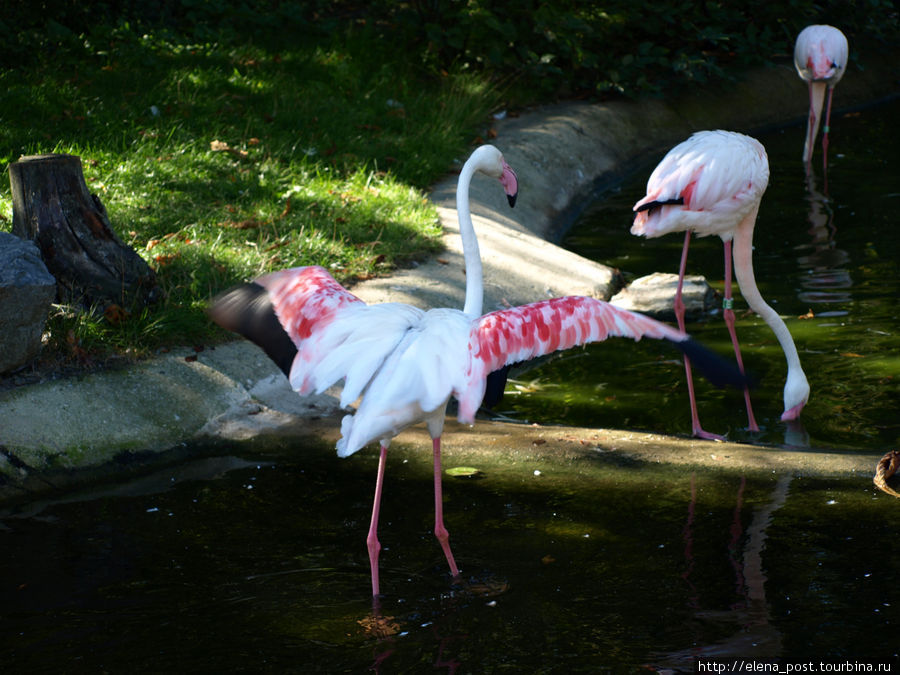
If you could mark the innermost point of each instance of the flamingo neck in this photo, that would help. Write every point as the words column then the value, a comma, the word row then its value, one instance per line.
column 816, row 102
column 471, row 253
column 743, row 272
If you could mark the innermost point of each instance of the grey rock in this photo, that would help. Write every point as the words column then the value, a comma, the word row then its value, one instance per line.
column 654, row 295
column 26, row 291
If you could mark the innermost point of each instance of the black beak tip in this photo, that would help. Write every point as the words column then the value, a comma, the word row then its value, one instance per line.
column 512, row 199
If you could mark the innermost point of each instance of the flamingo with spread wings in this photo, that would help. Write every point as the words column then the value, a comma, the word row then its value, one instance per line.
column 820, row 56
column 406, row 363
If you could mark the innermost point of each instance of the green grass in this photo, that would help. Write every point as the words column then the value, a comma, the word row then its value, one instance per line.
column 217, row 164
column 228, row 139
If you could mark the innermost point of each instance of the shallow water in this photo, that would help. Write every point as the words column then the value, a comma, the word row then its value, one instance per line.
column 598, row 564
column 830, row 252
column 595, row 563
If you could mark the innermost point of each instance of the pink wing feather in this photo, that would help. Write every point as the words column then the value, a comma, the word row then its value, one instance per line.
column 522, row 333
column 305, row 298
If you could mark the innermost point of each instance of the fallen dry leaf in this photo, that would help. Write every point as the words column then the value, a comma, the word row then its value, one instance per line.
column 287, row 207
column 222, row 146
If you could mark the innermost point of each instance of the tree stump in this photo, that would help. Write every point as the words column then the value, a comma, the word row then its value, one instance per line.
column 92, row 266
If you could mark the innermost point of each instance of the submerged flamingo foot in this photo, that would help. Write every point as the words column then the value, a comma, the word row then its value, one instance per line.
column 752, row 428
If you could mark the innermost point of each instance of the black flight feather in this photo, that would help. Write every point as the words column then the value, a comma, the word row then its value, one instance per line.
column 496, row 385
column 675, row 201
column 719, row 371
column 247, row 310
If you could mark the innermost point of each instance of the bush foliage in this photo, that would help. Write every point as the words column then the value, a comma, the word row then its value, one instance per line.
column 632, row 47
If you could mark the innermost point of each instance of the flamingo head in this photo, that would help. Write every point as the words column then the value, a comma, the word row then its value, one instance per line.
column 796, row 394
column 821, row 54
column 489, row 161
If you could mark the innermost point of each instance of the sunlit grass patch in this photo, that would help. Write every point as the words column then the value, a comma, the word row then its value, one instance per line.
column 218, row 163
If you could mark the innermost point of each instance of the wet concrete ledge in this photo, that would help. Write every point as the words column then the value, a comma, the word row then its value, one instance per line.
column 101, row 425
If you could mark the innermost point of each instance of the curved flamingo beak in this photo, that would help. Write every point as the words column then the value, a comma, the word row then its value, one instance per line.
column 793, row 413
column 510, row 183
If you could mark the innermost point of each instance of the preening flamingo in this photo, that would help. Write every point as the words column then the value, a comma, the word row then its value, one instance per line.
column 404, row 362
column 713, row 183
column 820, row 55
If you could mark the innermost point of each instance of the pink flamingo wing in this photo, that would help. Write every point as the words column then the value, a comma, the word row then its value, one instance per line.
column 522, row 333
column 306, row 299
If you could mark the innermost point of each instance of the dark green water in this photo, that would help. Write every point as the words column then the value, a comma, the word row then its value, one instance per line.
column 598, row 563
column 834, row 256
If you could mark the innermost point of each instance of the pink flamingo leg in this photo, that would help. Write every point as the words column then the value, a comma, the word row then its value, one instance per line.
column 696, row 429
column 439, row 530
column 728, row 315
column 825, row 130
column 372, row 542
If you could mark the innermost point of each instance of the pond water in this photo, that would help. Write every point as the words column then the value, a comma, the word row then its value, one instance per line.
column 598, row 564
column 826, row 253
column 255, row 561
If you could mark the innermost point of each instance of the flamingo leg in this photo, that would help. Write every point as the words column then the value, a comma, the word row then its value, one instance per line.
column 696, row 429
column 372, row 542
column 825, row 130
column 439, row 530
column 728, row 315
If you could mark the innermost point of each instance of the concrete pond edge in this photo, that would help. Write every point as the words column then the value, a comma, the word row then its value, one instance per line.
column 68, row 431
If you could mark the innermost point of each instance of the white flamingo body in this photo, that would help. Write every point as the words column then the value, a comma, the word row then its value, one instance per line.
column 406, row 363
column 701, row 173
column 820, row 56
column 713, row 183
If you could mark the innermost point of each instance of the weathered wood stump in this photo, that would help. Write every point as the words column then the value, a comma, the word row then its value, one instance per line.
column 92, row 266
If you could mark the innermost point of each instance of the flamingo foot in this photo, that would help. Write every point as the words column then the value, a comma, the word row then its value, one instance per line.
column 443, row 538
column 707, row 435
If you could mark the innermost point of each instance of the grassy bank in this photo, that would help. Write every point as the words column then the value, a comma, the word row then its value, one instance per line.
column 227, row 139
column 218, row 163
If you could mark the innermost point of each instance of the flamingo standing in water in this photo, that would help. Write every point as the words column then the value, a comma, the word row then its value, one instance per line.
column 406, row 363
column 713, row 183
column 820, row 56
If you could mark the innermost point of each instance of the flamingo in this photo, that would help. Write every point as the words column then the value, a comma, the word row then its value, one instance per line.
column 820, row 56
column 713, row 183
column 406, row 363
